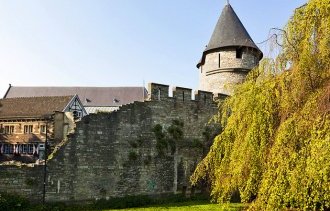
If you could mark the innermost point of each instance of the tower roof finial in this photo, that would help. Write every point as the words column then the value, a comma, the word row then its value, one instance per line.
column 227, row 2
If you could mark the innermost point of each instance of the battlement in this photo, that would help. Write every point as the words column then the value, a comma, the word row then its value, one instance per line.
column 181, row 94
column 204, row 96
column 158, row 92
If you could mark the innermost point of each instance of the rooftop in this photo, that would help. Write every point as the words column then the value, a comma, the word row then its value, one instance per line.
column 32, row 107
column 89, row 96
column 229, row 32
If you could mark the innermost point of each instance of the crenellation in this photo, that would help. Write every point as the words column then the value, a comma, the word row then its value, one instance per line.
column 158, row 91
column 204, row 96
column 220, row 96
column 182, row 94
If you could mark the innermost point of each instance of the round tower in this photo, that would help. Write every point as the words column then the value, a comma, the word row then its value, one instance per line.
column 229, row 56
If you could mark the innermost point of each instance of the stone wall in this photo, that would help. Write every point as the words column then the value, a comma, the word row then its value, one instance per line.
column 115, row 154
column 23, row 180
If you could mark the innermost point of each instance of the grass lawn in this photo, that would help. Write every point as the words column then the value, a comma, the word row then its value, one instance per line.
column 189, row 206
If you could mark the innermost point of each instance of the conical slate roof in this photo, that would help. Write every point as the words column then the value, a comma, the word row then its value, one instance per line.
column 229, row 32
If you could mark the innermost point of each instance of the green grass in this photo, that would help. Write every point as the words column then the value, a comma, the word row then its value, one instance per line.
column 133, row 203
column 189, row 206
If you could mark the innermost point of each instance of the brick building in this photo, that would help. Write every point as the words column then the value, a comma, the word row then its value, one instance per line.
column 26, row 122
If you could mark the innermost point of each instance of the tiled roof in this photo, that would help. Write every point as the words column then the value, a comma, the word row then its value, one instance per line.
column 229, row 32
column 21, row 138
column 32, row 106
column 89, row 96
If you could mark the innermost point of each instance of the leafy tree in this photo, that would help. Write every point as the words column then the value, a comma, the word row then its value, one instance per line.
column 275, row 146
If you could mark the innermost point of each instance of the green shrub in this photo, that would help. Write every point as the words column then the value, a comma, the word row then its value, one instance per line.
column 132, row 156
column 124, row 202
column 13, row 202
column 147, row 160
column 133, row 144
column 196, row 143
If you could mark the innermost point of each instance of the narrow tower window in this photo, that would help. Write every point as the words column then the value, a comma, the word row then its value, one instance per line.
column 239, row 53
column 159, row 93
column 219, row 61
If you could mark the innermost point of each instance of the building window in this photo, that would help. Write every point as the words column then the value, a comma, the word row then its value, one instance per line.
column 8, row 149
column 30, row 149
column 28, row 129
column 24, row 148
column 219, row 61
column 77, row 114
column 239, row 53
column 256, row 60
column 159, row 93
column 9, row 129
column 43, row 129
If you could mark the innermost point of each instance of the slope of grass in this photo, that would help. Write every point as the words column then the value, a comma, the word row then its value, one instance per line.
column 190, row 206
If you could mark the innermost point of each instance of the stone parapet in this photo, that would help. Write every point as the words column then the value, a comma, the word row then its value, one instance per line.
column 160, row 92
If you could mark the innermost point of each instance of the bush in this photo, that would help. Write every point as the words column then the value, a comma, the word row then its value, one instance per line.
column 13, row 202
column 143, row 201
column 124, row 202
column 132, row 156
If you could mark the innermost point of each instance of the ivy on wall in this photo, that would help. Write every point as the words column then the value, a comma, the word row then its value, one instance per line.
column 168, row 139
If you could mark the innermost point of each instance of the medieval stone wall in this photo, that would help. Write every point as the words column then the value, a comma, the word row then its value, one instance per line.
column 23, row 180
column 116, row 154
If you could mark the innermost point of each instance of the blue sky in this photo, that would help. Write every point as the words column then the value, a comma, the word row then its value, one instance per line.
column 118, row 42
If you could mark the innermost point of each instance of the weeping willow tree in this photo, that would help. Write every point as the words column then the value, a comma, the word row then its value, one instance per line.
column 275, row 147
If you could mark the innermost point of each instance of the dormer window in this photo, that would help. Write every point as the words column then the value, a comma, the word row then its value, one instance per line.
column 43, row 128
column 9, row 129
column 239, row 53
column 28, row 129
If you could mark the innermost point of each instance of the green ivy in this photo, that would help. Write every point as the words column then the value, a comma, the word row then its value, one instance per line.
column 168, row 138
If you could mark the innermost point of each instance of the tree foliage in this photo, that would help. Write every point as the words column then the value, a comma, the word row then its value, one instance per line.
column 275, row 146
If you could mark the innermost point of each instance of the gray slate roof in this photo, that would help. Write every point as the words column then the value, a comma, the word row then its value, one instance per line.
column 89, row 96
column 229, row 32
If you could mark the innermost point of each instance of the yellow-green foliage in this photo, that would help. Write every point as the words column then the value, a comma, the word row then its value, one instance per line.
column 275, row 146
